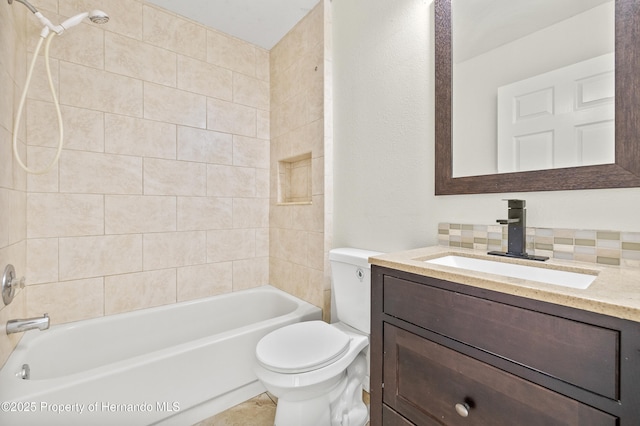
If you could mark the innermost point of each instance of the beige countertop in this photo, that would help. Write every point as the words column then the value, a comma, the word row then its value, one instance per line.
column 615, row 291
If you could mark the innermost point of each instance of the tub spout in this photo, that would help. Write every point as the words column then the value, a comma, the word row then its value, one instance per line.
column 20, row 325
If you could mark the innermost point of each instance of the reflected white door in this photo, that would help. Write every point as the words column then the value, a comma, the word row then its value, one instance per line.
column 563, row 118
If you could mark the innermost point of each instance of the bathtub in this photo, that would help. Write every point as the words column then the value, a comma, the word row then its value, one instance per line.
column 171, row 365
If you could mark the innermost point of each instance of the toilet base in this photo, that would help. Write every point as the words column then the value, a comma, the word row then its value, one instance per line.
column 342, row 405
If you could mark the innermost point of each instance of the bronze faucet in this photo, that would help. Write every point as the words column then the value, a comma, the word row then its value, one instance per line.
column 516, row 232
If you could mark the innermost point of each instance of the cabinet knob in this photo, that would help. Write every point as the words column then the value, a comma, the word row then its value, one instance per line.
column 462, row 408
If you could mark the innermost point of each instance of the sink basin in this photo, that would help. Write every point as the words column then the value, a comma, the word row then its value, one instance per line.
column 531, row 273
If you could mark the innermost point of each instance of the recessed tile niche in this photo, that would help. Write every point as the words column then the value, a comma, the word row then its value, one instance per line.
column 294, row 180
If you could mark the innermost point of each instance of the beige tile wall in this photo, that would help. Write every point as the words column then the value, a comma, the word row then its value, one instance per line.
column 13, row 197
column 300, row 236
column 162, row 190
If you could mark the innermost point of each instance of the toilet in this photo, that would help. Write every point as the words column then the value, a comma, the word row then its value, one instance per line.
column 318, row 370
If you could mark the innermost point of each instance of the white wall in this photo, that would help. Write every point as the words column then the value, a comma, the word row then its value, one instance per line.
column 383, row 123
column 384, row 141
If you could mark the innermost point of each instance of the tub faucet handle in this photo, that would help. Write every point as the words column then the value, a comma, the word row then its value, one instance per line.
column 10, row 283
column 18, row 282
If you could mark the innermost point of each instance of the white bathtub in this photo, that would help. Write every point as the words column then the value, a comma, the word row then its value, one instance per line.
column 170, row 365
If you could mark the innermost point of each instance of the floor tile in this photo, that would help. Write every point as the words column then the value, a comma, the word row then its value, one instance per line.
column 259, row 411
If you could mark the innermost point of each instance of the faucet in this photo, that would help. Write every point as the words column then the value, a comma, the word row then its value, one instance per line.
column 517, row 230
column 20, row 325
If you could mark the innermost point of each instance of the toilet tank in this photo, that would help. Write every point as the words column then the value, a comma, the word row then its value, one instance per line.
column 351, row 286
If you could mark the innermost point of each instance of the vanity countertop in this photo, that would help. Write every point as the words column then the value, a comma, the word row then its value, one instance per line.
column 615, row 291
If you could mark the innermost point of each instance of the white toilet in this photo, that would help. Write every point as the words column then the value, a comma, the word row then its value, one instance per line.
column 317, row 370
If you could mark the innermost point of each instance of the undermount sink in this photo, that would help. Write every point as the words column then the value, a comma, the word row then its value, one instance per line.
column 531, row 273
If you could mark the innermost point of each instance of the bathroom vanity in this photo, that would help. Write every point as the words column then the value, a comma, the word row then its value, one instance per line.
column 458, row 347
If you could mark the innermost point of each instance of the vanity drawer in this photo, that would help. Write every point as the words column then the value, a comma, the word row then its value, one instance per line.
column 424, row 381
column 559, row 347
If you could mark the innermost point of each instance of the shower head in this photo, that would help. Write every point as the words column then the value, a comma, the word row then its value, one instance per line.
column 96, row 16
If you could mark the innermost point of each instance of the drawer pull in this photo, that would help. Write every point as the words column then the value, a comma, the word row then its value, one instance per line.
column 462, row 408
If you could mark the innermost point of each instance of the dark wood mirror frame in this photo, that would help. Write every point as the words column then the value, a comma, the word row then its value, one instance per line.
column 624, row 173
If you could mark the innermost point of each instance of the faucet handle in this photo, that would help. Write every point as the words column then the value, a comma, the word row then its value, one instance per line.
column 18, row 282
column 507, row 221
column 10, row 283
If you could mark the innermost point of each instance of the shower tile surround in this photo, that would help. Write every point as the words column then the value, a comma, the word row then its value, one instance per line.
column 13, row 181
column 594, row 246
column 301, row 135
column 137, row 206
column 163, row 189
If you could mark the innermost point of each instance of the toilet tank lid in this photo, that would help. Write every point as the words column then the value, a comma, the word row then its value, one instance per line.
column 353, row 256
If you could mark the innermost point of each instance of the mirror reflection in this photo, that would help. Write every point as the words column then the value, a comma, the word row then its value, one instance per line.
column 533, row 85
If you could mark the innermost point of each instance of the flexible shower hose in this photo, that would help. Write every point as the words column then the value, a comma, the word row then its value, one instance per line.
column 55, row 102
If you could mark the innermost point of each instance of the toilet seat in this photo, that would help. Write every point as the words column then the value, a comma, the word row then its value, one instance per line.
column 302, row 347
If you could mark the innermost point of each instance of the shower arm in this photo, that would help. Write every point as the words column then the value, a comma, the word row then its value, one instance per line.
column 27, row 4
column 48, row 25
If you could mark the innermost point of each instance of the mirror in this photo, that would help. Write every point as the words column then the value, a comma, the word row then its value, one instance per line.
column 533, row 85
column 622, row 168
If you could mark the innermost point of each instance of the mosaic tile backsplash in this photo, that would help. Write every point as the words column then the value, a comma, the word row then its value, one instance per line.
column 603, row 247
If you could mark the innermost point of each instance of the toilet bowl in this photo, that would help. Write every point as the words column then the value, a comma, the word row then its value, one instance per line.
column 317, row 370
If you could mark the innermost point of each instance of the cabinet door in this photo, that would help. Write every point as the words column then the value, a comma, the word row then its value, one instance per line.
column 391, row 418
column 424, row 381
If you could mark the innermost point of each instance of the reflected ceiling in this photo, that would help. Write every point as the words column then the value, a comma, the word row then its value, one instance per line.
column 480, row 26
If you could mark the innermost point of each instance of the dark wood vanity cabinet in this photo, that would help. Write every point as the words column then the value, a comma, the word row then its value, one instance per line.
column 444, row 353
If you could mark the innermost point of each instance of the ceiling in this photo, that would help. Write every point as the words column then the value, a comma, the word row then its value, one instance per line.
column 482, row 24
column 261, row 22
